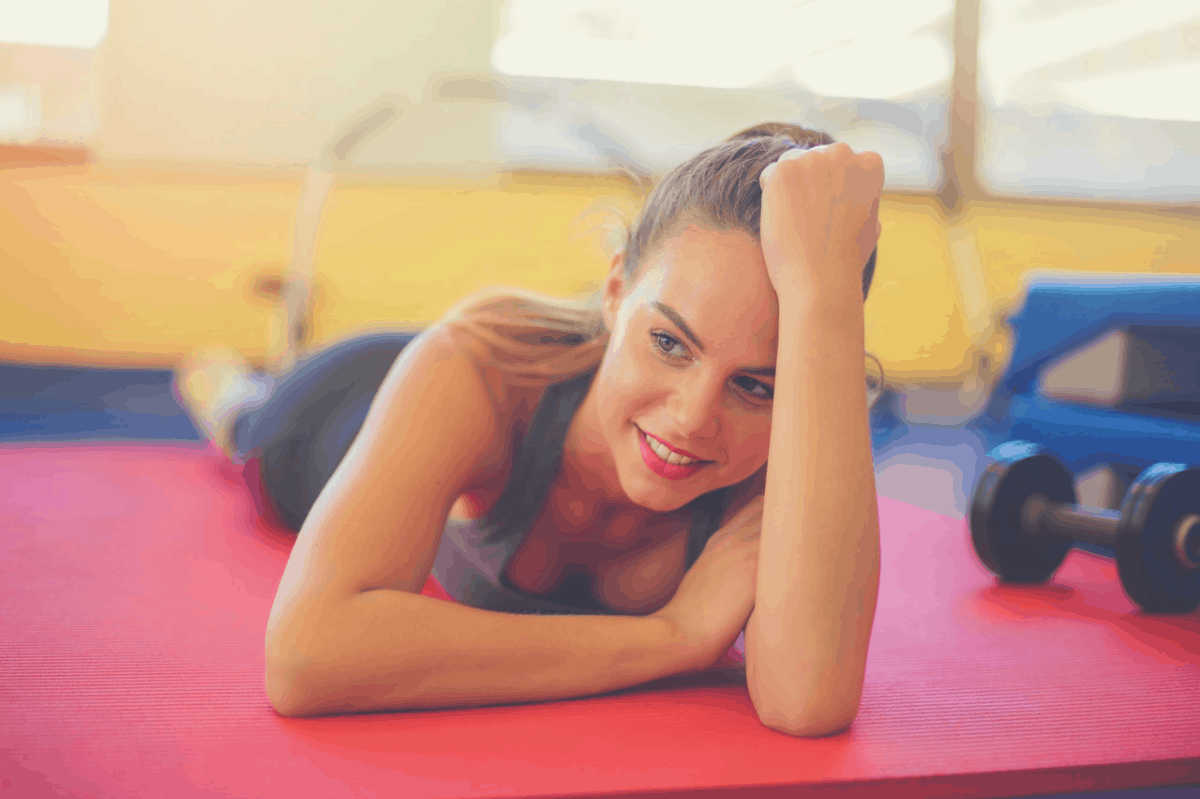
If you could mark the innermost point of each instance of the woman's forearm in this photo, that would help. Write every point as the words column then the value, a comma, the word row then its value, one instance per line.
column 818, row 573
column 392, row 650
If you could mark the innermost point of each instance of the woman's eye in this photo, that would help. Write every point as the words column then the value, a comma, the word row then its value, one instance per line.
column 668, row 344
column 756, row 388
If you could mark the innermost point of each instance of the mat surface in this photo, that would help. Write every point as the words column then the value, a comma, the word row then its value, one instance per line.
column 137, row 580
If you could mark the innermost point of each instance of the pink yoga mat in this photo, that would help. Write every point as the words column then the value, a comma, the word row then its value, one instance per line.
column 134, row 597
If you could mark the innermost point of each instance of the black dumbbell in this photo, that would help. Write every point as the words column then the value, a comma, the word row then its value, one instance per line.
column 1024, row 519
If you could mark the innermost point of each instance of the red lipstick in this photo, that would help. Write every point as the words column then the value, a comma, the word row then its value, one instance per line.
column 671, row 471
column 676, row 450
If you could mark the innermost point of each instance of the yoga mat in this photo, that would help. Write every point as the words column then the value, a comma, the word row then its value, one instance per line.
column 137, row 581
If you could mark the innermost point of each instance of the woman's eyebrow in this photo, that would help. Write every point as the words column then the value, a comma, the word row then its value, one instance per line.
column 673, row 315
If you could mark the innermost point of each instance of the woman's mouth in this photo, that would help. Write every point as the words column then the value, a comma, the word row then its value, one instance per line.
column 666, row 463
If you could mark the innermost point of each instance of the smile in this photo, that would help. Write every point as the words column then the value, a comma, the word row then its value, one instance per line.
column 665, row 462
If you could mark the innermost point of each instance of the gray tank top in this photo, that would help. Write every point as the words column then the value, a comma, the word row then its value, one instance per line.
column 472, row 570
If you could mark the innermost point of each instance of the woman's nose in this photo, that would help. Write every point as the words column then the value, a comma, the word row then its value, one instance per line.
column 696, row 407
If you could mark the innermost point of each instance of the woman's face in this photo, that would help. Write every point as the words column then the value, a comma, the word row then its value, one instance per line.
column 690, row 367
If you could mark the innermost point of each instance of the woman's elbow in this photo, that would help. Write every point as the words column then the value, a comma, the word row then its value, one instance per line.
column 810, row 720
column 285, row 691
column 281, row 694
column 808, row 728
column 808, row 708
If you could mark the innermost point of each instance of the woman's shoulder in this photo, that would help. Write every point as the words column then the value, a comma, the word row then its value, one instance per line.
column 519, row 344
column 537, row 338
column 522, row 342
column 438, row 366
column 498, row 348
column 470, row 367
column 443, row 373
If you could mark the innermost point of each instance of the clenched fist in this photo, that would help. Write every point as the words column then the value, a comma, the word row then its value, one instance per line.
column 820, row 217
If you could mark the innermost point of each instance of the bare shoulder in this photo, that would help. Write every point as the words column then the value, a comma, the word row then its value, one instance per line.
column 431, row 431
column 445, row 386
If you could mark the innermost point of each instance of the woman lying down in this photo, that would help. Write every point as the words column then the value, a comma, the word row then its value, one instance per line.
column 614, row 491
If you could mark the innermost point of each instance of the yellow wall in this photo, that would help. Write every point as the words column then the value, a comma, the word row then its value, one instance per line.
column 1014, row 237
column 141, row 266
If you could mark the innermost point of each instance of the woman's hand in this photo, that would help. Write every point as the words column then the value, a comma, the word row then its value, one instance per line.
column 820, row 216
column 716, row 596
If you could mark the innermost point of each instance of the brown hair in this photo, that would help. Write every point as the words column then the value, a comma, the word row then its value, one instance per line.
column 719, row 189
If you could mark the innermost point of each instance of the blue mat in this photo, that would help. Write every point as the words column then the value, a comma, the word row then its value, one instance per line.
column 59, row 403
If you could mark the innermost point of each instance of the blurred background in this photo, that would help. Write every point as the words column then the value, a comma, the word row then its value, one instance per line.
column 168, row 170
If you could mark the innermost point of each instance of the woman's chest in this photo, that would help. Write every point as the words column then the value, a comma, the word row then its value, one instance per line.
column 636, row 576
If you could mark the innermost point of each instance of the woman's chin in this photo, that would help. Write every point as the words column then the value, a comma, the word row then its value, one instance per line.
column 657, row 498
column 656, row 486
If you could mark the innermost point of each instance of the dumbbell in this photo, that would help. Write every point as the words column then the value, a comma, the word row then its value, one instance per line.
column 1024, row 518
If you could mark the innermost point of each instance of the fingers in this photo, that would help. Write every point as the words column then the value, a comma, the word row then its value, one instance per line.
column 874, row 163
column 874, row 214
column 871, row 161
column 765, row 175
column 800, row 152
column 791, row 155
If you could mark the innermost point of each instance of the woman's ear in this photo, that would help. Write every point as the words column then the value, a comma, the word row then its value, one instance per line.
column 614, row 290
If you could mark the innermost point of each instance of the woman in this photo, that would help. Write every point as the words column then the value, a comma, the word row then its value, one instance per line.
column 611, row 461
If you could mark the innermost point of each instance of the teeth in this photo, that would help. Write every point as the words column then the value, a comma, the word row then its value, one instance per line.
column 666, row 454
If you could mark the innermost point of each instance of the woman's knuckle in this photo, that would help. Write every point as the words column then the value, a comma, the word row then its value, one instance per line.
column 789, row 167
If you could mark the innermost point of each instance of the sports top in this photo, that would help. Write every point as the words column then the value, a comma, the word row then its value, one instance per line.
column 473, row 571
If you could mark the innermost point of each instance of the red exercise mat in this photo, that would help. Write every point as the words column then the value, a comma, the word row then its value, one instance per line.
column 136, row 586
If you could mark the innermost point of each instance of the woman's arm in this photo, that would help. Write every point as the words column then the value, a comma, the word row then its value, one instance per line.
column 394, row 650
column 818, row 573
column 348, row 632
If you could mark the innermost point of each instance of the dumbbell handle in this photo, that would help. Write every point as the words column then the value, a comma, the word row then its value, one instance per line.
column 1041, row 516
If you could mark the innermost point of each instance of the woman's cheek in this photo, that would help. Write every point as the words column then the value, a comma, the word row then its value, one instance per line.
column 633, row 372
column 754, row 447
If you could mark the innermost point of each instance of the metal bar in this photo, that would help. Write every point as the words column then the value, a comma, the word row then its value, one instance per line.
column 1094, row 527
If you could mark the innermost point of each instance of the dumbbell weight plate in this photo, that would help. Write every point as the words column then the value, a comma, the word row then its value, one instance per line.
column 1020, row 469
column 1150, row 568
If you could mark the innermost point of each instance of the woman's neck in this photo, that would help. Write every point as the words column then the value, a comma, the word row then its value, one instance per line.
column 587, row 495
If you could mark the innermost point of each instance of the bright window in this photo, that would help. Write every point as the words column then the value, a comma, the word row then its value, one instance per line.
column 1091, row 99
column 649, row 82
column 48, row 82
column 54, row 23
column 1129, row 58
column 876, row 49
